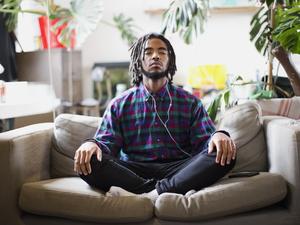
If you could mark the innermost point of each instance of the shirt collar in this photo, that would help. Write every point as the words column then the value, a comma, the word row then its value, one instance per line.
column 158, row 95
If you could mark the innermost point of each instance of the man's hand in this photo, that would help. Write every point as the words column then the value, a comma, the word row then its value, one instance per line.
column 83, row 157
column 226, row 149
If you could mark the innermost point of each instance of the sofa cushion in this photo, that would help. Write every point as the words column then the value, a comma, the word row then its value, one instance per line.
column 228, row 196
column 73, row 198
column 244, row 124
column 69, row 133
column 287, row 107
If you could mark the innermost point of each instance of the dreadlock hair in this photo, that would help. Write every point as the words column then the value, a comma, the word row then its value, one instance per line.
column 137, row 51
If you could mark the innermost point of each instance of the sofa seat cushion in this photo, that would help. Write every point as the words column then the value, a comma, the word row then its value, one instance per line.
column 73, row 198
column 226, row 197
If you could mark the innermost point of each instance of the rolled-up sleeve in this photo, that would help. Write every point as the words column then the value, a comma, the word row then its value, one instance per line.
column 108, row 135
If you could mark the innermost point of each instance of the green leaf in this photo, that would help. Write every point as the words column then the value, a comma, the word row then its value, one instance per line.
column 263, row 94
column 269, row 2
column 260, row 31
column 186, row 17
column 221, row 99
column 126, row 27
column 85, row 16
column 226, row 96
column 214, row 107
column 10, row 9
column 256, row 15
column 287, row 32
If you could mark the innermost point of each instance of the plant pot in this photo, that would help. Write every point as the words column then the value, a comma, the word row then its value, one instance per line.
column 54, row 40
column 244, row 91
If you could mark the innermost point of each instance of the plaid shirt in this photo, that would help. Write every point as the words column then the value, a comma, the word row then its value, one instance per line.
column 131, row 129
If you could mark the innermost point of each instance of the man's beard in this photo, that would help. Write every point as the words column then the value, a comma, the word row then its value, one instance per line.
column 155, row 75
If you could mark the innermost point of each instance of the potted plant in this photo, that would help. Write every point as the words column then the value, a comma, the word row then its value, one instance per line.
column 275, row 33
column 274, row 30
column 80, row 19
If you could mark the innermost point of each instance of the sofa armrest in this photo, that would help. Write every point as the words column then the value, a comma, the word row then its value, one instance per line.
column 283, row 141
column 24, row 157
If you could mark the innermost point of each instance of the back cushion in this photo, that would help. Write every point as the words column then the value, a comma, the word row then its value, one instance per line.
column 244, row 125
column 69, row 133
column 242, row 122
column 287, row 107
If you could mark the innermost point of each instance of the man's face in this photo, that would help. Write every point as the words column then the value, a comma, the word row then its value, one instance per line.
column 155, row 59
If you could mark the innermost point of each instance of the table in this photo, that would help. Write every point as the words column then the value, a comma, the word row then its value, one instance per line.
column 25, row 98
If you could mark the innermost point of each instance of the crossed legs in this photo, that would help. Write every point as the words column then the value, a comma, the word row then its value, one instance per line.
column 126, row 178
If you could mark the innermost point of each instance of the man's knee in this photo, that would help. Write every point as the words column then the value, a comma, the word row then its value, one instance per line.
column 95, row 178
column 232, row 163
column 212, row 158
column 96, row 163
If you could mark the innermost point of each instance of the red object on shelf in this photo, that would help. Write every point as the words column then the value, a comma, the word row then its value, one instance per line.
column 54, row 42
column 197, row 92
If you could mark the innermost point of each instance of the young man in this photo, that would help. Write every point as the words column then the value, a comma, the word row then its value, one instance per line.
column 155, row 137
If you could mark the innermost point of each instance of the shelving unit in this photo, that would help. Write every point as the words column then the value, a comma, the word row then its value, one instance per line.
column 33, row 66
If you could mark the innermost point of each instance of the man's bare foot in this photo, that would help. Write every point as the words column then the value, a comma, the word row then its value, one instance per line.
column 117, row 191
column 152, row 195
column 190, row 193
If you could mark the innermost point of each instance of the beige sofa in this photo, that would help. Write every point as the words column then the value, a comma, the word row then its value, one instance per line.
column 39, row 186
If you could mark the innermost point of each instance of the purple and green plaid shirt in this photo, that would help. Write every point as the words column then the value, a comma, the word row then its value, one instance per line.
column 131, row 130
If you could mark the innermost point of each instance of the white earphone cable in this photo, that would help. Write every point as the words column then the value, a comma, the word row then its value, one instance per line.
column 168, row 116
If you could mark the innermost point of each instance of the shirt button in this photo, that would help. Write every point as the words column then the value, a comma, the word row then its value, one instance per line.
column 156, row 123
column 158, row 139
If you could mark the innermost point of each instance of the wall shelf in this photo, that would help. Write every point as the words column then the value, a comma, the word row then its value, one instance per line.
column 215, row 10
column 241, row 9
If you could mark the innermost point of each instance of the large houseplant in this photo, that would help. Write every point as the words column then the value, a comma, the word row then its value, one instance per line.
column 275, row 30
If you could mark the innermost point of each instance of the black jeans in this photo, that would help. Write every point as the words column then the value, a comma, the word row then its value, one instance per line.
column 179, row 176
